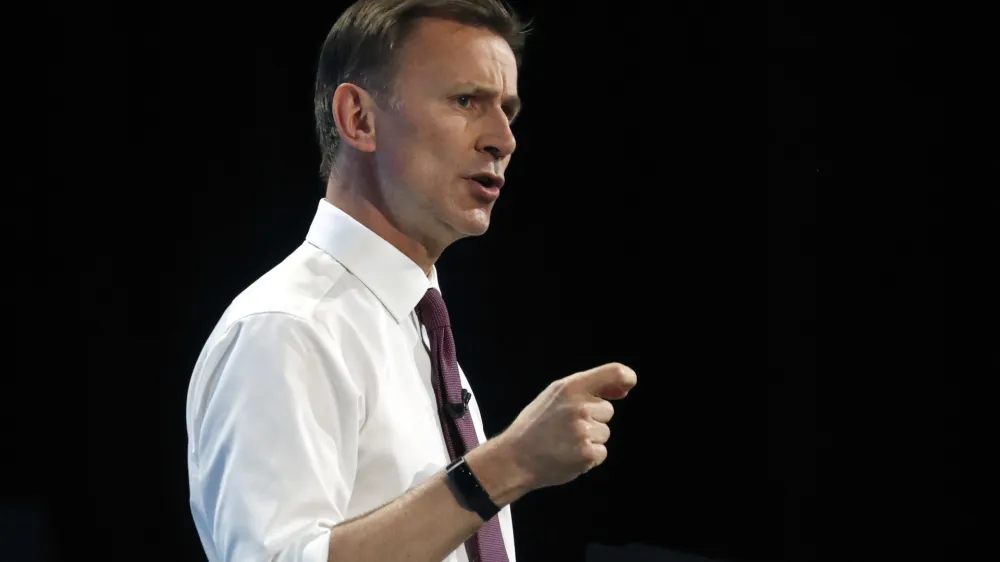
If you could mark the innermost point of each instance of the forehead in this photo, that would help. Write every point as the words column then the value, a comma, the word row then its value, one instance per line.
column 442, row 51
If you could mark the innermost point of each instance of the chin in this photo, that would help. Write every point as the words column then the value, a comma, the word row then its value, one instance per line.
column 473, row 222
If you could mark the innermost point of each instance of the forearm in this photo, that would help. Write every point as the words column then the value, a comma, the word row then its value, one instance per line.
column 427, row 523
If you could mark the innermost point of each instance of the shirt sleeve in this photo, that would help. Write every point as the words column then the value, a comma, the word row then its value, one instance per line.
column 275, row 435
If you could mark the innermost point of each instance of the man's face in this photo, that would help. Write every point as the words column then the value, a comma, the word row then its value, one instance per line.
column 456, row 88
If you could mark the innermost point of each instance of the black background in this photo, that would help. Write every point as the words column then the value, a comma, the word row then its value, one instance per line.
column 164, row 157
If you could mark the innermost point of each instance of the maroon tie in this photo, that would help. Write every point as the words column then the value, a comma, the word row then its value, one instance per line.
column 459, row 433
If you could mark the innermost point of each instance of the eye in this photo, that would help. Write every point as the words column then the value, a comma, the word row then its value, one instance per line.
column 464, row 101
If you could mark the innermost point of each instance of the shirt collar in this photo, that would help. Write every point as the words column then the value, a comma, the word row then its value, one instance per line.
column 390, row 275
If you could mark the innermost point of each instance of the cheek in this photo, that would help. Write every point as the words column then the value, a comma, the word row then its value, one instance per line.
column 397, row 149
column 428, row 157
column 419, row 153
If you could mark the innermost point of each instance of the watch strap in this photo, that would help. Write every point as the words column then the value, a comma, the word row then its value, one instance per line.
column 470, row 492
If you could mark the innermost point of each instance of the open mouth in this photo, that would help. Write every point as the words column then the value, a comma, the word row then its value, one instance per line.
column 487, row 180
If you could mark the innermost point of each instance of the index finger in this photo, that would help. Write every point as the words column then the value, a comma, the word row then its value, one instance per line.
column 611, row 381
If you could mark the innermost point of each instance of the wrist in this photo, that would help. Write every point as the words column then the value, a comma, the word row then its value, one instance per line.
column 494, row 465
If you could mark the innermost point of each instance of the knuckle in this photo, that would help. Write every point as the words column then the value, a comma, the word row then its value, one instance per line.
column 600, row 435
column 596, row 455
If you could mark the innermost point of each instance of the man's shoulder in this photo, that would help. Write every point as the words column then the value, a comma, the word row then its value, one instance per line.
column 308, row 297
column 308, row 284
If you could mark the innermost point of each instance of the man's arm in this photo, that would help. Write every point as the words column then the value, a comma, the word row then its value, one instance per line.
column 427, row 523
column 558, row 436
column 273, row 418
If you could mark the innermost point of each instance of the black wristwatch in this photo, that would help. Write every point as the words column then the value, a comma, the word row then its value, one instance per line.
column 469, row 492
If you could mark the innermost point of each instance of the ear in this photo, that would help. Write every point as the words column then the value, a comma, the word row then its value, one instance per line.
column 353, row 113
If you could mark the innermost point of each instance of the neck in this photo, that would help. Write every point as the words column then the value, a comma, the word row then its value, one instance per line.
column 358, row 196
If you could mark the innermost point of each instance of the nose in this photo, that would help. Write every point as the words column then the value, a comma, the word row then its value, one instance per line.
column 499, row 141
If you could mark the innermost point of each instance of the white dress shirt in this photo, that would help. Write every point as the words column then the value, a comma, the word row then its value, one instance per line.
column 311, row 402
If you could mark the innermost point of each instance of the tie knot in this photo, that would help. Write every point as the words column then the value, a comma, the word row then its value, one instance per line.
column 433, row 312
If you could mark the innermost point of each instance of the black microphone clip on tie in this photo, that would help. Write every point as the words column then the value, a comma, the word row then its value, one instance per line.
column 458, row 410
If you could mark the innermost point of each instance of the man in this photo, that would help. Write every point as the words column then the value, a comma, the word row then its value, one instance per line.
column 327, row 416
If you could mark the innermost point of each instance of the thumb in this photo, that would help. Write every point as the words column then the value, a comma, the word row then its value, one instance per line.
column 612, row 381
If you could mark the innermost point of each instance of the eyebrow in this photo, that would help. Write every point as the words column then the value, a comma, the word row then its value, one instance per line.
column 511, row 104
